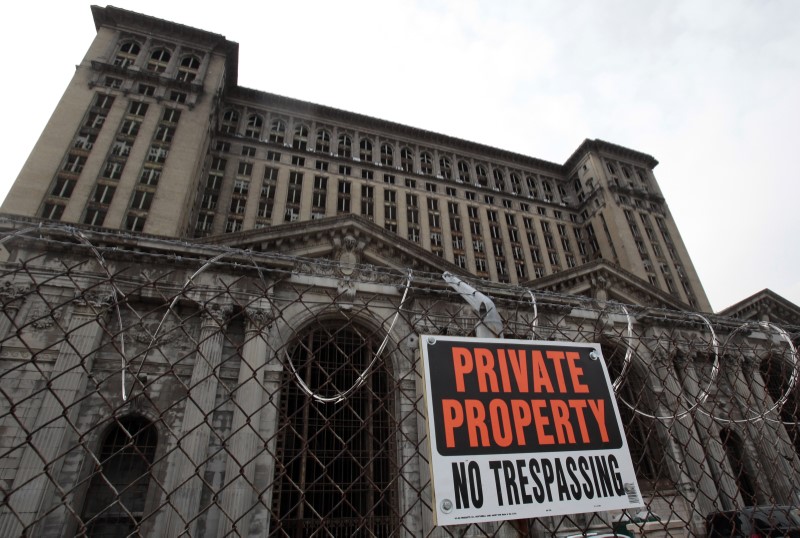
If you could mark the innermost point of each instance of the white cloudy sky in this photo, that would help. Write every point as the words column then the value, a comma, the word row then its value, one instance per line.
column 709, row 88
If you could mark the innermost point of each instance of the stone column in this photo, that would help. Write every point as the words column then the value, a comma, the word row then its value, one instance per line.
column 774, row 442
column 697, row 484
column 709, row 438
column 767, row 489
column 144, row 54
column 184, row 483
column 270, row 417
column 245, row 445
column 39, row 467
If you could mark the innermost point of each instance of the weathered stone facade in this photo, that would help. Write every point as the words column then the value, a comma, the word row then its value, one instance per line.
column 213, row 297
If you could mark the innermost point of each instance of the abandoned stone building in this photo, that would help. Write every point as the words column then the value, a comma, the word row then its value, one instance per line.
column 213, row 297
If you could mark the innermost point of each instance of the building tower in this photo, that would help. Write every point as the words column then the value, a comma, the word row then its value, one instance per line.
column 153, row 135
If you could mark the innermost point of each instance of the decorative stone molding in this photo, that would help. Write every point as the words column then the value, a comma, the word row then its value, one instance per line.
column 95, row 299
column 348, row 254
column 600, row 286
column 318, row 267
column 216, row 313
column 42, row 317
column 10, row 292
column 346, row 293
column 259, row 317
column 144, row 332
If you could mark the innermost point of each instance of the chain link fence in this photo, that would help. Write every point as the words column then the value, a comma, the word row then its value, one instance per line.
column 152, row 387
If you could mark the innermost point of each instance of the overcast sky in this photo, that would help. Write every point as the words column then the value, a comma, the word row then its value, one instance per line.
column 710, row 89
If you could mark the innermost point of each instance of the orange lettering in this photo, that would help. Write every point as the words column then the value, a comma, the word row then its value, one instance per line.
column 500, row 419
column 522, row 417
column 453, row 418
column 561, row 423
column 462, row 365
column 476, row 423
column 519, row 366
column 557, row 357
column 501, row 360
column 579, row 406
column 575, row 373
column 599, row 412
column 541, row 422
column 484, row 369
column 541, row 379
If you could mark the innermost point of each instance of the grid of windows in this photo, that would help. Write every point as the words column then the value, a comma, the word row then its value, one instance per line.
column 145, row 191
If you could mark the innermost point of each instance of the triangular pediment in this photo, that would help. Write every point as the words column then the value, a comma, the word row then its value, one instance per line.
column 606, row 281
column 766, row 305
column 344, row 239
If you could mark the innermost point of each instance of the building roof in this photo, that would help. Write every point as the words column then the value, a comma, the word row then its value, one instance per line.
column 766, row 305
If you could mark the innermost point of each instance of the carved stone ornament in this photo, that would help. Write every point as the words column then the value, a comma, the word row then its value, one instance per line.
column 318, row 267
column 600, row 285
column 346, row 293
column 11, row 292
column 347, row 256
column 260, row 317
column 217, row 312
column 43, row 317
column 144, row 332
column 94, row 299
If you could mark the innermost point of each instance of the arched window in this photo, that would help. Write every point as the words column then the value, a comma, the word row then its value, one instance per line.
column 187, row 70
column 126, row 56
column 125, row 456
column 641, row 433
column 426, row 163
column 531, row 182
column 335, row 470
column 365, row 150
column 548, row 191
column 407, row 159
column 323, row 141
column 445, row 169
column 499, row 180
column 230, row 122
column 300, row 140
column 516, row 186
column 387, row 155
column 277, row 131
column 463, row 171
column 159, row 59
column 483, row 177
column 254, row 124
column 345, row 148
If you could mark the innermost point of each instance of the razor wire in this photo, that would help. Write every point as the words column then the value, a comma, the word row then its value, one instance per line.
column 255, row 258
column 168, row 271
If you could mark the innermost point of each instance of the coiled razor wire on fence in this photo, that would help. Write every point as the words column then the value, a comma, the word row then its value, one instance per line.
column 239, row 392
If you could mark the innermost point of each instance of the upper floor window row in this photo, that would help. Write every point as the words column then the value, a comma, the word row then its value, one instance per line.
column 158, row 59
column 385, row 153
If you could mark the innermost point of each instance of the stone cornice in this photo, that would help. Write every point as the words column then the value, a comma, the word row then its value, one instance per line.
column 601, row 146
column 767, row 302
column 282, row 237
column 620, row 281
